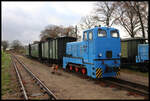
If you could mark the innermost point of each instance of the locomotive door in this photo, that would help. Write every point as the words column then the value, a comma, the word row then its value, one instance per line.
column 90, row 47
column 85, row 47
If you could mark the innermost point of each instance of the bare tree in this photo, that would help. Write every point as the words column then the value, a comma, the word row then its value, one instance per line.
column 131, row 15
column 68, row 31
column 54, row 31
column 16, row 44
column 50, row 31
column 141, row 9
column 87, row 22
column 128, row 18
column 44, row 37
column 105, row 12
column 5, row 44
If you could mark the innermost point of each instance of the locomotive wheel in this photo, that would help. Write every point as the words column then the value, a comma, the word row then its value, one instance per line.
column 83, row 71
column 70, row 68
column 76, row 69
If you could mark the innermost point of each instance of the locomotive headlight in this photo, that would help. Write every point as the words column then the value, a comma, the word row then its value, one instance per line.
column 100, row 54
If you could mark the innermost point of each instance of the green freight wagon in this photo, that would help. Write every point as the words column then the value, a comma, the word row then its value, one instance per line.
column 54, row 49
column 45, row 49
column 60, row 48
column 27, row 50
column 129, row 48
column 35, row 50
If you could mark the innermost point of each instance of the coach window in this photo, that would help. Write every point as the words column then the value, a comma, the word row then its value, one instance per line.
column 90, row 35
column 101, row 33
column 85, row 35
column 114, row 34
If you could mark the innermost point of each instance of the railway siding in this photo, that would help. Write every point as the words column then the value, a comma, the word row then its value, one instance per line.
column 68, row 86
column 29, row 82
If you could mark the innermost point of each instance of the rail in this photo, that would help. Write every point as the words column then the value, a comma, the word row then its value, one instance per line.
column 20, row 80
column 41, row 84
column 130, row 86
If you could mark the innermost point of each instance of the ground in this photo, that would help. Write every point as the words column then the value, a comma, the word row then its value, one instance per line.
column 137, row 77
column 9, row 82
column 66, row 85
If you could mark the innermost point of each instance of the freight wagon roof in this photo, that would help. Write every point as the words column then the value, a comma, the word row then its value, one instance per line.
column 60, row 38
column 65, row 37
column 134, row 39
column 53, row 39
column 35, row 43
column 143, row 45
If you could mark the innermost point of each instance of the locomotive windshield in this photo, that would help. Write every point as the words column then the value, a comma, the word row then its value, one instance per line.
column 101, row 33
column 90, row 35
column 114, row 34
column 85, row 35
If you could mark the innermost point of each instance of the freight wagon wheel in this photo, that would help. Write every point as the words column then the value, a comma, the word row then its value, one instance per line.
column 144, row 69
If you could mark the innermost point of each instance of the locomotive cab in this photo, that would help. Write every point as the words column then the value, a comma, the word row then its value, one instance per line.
column 99, row 52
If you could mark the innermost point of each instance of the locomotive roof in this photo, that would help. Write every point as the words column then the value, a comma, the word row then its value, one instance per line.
column 101, row 28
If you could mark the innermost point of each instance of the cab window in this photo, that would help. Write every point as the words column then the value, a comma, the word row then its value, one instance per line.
column 114, row 34
column 90, row 35
column 85, row 35
column 101, row 33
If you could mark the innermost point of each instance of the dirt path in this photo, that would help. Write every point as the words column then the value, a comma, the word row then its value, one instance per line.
column 68, row 86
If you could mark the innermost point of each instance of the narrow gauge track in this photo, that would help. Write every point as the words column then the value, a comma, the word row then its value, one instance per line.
column 40, row 84
column 20, row 80
column 130, row 86
column 135, row 88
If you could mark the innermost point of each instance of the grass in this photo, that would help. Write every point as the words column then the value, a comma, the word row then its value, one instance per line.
column 135, row 72
column 5, row 76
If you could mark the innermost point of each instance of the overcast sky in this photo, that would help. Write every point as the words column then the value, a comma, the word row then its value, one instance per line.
column 24, row 21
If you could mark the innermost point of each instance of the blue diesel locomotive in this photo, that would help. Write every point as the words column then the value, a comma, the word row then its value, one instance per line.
column 97, row 56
